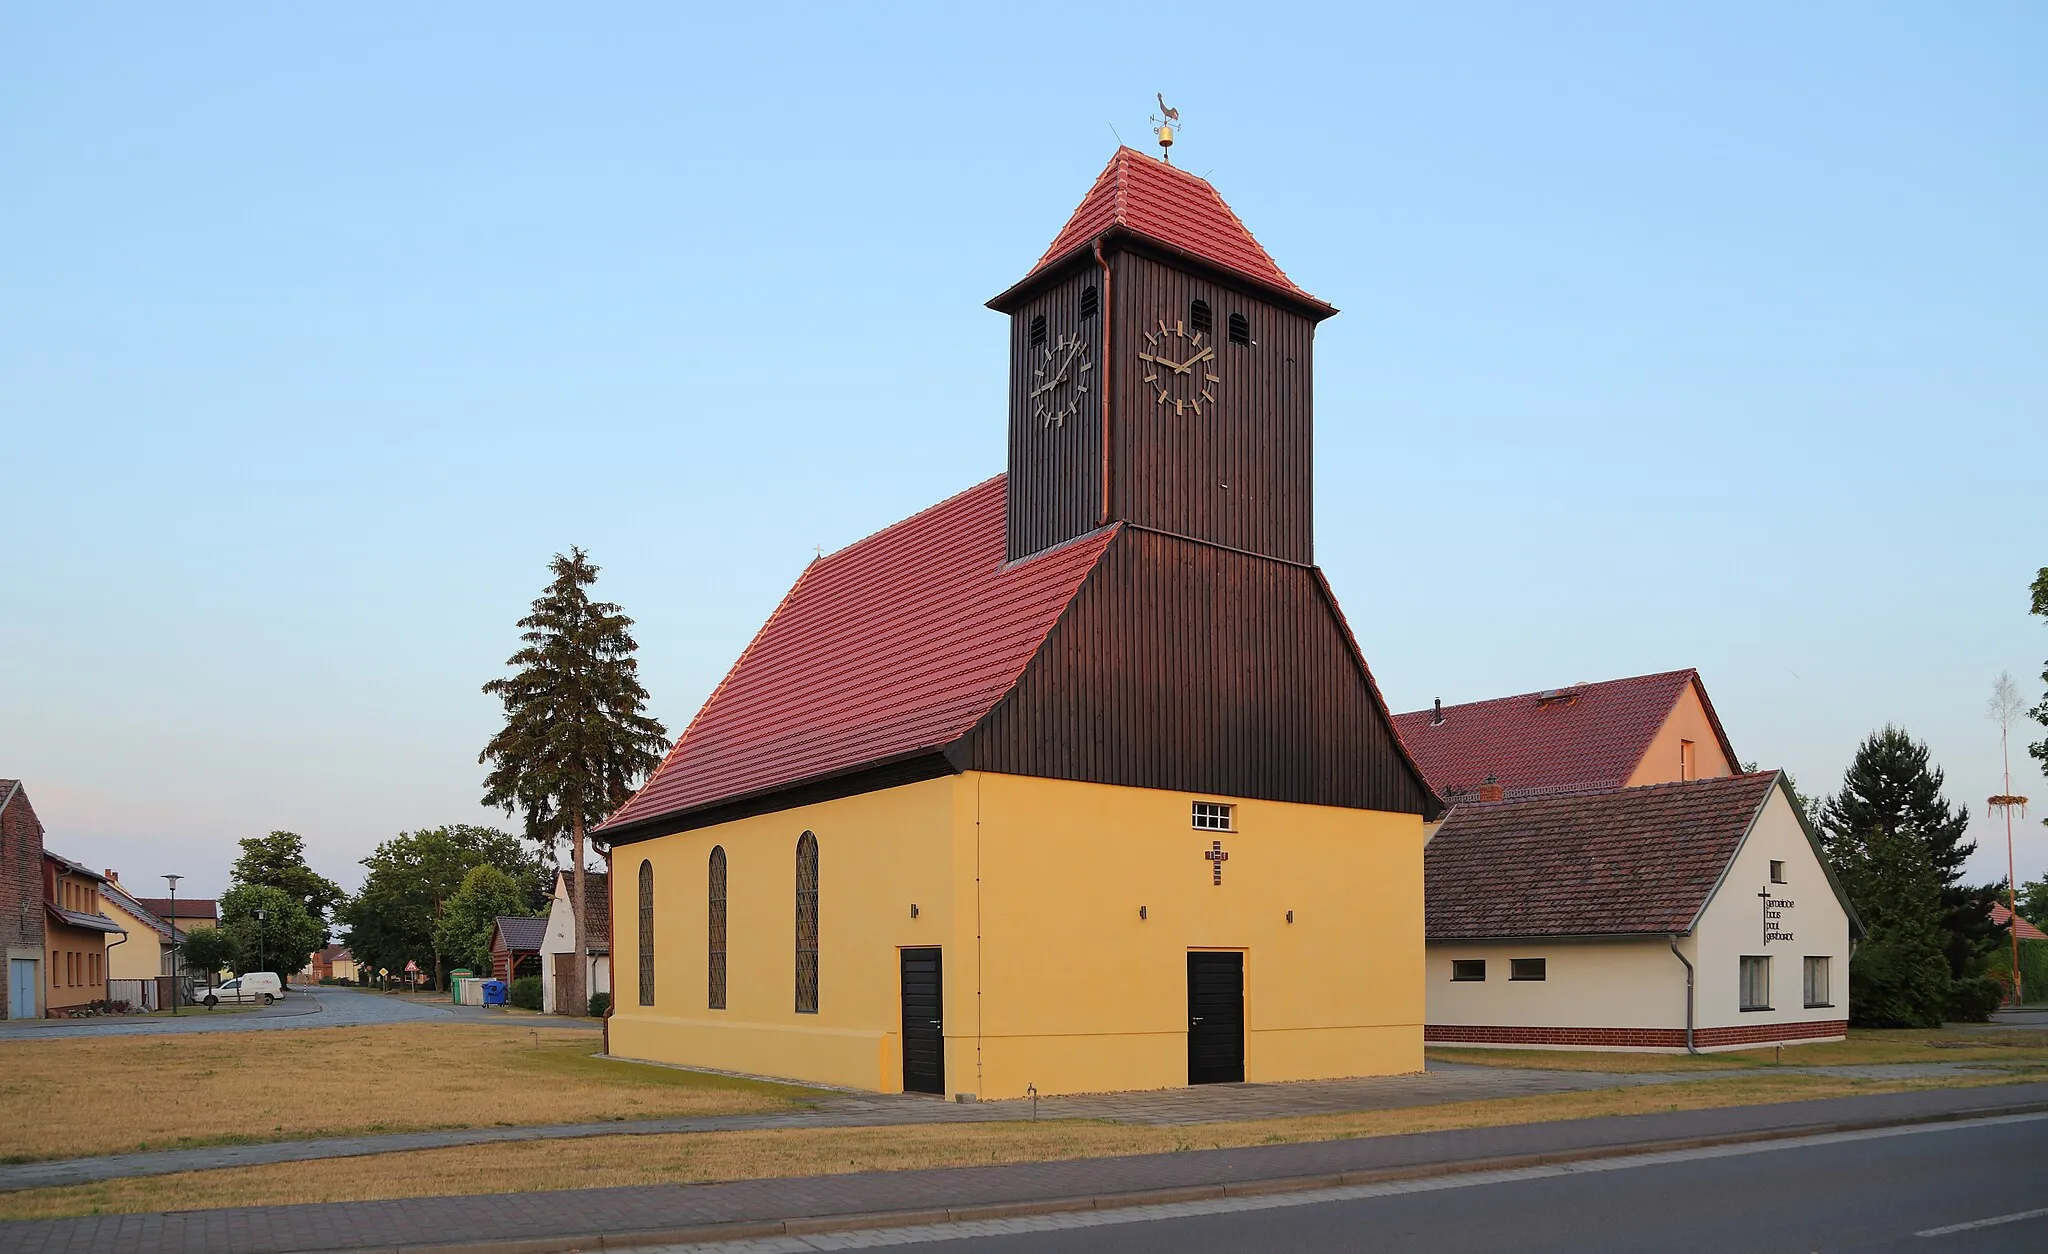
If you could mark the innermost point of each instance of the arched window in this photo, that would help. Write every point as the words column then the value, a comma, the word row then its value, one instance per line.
column 1199, row 319
column 646, row 933
column 1089, row 302
column 1037, row 330
column 715, row 945
column 807, row 924
column 1240, row 329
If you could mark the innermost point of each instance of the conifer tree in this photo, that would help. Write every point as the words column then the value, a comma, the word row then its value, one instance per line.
column 576, row 740
column 2039, row 749
column 1899, row 848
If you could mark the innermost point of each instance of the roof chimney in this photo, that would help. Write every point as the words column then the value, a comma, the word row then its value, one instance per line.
column 113, row 875
column 1437, row 719
column 1491, row 790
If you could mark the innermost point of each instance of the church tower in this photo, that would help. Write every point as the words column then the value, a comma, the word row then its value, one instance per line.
column 1161, row 374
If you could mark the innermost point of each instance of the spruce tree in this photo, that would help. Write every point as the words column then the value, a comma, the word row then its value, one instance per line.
column 1899, row 848
column 576, row 740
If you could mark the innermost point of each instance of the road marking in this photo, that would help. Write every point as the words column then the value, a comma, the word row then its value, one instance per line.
column 1993, row 1222
column 871, row 1237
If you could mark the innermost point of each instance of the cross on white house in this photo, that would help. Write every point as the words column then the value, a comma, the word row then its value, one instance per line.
column 1216, row 858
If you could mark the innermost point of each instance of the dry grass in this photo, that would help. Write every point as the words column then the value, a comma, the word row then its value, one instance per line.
column 127, row 1093
column 602, row 1162
column 1865, row 1046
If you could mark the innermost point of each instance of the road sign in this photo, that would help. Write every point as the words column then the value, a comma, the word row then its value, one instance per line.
column 410, row 965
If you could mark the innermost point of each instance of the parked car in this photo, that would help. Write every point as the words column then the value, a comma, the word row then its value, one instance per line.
column 261, row 986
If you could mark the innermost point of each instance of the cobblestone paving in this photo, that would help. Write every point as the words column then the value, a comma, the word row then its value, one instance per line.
column 583, row 1215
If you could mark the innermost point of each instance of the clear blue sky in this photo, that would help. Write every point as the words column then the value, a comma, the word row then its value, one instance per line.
column 1709, row 338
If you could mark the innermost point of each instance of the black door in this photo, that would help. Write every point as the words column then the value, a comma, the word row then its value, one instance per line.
column 924, row 1031
column 1215, row 1018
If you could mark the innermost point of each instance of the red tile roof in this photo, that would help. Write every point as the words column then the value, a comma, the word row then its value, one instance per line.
column 188, row 907
column 890, row 648
column 1635, row 861
column 1588, row 737
column 1168, row 205
column 2026, row 930
column 597, row 899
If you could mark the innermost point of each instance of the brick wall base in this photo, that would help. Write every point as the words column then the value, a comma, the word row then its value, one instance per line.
column 1653, row 1039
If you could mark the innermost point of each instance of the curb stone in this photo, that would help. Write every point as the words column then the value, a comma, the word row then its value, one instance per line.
column 753, row 1229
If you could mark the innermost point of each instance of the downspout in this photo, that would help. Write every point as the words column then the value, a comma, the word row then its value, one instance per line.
column 1108, row 321
column 1688, row 993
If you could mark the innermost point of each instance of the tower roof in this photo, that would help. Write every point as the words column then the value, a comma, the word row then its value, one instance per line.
column 1158, row 202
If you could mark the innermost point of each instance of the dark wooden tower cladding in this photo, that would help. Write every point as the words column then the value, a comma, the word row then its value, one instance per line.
column 1186, row 666
column 1238, row 473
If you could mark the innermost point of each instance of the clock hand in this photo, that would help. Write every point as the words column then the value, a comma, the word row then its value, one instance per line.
column 1192, row 362
column 1161, row 361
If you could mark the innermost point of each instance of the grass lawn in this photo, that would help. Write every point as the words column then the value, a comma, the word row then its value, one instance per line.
column 127, row 1093
column 600, row 1162
column 2015, row 1047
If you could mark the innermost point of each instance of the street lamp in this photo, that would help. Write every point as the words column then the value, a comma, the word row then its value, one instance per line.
column 173, row 880
column 259, row 939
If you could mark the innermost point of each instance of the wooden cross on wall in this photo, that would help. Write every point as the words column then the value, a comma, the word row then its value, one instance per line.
column 1216, row 858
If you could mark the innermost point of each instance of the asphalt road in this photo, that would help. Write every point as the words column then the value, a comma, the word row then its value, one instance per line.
column 1894, row 1190
column 317, row 1007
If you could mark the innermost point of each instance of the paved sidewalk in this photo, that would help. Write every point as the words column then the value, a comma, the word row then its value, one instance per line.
column 1209, row 1103
column 674, row 1213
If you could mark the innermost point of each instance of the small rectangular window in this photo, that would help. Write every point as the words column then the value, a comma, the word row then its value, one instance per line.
column 1468, row 970
column 1817, row 982
column 1212, row 816
column 1528, row 968
column 1777, row 871
column 1756, row 983
column 1685, row 767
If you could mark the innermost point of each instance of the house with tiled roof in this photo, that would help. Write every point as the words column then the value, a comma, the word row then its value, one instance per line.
column 76, row 932
column 1693, row 915
column 1586, row 737
column 1077, row 780
column 559, row 947
column 515, row 946
column 151, row 948
column 2021, row 927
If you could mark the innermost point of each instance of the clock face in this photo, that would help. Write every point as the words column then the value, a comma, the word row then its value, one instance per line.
column 1059, row 381
column 1180, row 367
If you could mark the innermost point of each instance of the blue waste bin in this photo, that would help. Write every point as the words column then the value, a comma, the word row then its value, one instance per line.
column 494, row 992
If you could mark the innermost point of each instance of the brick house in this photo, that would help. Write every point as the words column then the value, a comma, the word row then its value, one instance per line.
column 21, row 904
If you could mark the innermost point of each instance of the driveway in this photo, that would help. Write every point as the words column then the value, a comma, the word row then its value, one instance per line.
column 324, row 1006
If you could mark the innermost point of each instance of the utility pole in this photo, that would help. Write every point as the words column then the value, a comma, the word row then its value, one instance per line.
column 2004, row 705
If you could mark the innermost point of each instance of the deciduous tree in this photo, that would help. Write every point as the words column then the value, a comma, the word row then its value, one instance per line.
column 391, row 920
column 576, row 738
column 279, row 861
column 281, row 940
column 464, row 932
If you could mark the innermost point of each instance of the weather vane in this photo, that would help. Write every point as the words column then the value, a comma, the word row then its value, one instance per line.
column 1168, row 124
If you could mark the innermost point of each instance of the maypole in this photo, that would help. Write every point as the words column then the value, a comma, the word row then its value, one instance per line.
column 2004, row 705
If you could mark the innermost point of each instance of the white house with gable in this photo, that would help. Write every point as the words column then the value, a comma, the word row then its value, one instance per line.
column 559, row 947
column 1697, row 915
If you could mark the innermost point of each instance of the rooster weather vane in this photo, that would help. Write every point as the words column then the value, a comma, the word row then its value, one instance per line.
column 1168, row 124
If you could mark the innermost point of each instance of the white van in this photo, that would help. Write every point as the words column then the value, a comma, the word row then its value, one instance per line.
column 261, row 986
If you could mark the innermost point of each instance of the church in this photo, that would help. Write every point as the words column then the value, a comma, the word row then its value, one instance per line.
column 1077, row 780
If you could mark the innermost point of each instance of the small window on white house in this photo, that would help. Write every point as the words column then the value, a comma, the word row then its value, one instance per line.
column 1817, row 982
column 1528, row 968
column 1777, row 871
column 1756, row 983
column 1212, row 816
column 1468, row 970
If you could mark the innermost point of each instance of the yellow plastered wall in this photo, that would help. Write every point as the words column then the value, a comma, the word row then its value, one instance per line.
column 1080, row 994
column 878, row 854
column 1031, row 888
column 1663, row 761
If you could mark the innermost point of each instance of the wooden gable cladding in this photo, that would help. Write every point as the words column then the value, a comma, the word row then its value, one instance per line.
column 1186, row 666
column 1240, row 473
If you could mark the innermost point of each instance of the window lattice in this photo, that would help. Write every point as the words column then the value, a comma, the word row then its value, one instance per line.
column 807, row 924
column 646, row 933
column 1212, row 816
column 1037, row 330
column 1090, row 302
column 715, row 945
